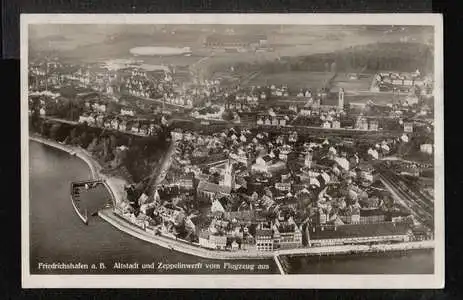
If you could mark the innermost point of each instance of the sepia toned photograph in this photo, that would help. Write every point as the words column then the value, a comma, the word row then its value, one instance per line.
column 253, row 151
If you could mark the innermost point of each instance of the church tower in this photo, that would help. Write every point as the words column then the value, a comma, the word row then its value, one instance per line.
column 308, row 159
column 228, row 175
column 341, row 98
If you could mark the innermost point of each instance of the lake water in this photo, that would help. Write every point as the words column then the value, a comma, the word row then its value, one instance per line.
column 57, row 235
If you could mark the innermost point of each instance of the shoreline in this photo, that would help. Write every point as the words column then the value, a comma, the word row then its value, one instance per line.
column 114, row 184
column 123, row 225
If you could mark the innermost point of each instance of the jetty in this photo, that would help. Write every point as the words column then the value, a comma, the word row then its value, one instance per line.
column 75, row 197
column 279, row 264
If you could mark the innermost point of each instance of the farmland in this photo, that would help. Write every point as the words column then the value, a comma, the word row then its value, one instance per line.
column 377, row 98
column 295, row 79
column 361, row 84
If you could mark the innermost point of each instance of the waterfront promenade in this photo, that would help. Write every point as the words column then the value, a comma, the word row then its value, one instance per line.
column 123, row 225
column 115, row 187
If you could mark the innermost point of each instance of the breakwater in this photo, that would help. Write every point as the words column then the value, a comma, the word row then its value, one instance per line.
column 78, row 211
column 115, row 185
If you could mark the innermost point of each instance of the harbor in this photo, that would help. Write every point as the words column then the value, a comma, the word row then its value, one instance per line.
column 79, row 197
column 284, row 256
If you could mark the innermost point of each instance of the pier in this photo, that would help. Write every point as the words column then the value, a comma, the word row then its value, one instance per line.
column 276, row 258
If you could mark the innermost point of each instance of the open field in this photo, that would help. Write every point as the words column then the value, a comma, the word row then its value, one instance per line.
column 294, row 79
column 361, row 84
column 377, row 98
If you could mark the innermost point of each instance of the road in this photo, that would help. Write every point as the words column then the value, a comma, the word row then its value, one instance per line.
column 64, row 121
column 409, row 196
column 160, row 100
column 59, row 120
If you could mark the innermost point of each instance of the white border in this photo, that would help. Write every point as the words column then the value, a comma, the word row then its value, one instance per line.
column 435, row 280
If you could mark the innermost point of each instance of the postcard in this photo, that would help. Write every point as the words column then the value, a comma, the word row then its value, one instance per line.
column 232, row 151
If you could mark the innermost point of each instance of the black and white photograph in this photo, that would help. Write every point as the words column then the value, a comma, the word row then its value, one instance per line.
column 235, row 151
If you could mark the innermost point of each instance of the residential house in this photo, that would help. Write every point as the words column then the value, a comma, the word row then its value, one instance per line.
column 168, row 214
column 274, row 121
column 287, row 234
column 123, row 126
column 115, row 124
column 408, row 127
column 212, row 240
column 127, row 112
column 265, row 164
column 144, row 130
column 100, row 120
column 361, row 123
column 219, row 205
column 84, row 119
column 285, row 150
column 186, row 182
column 283, row 186
column 135, row 128
column 426, row 148
column 326, row 125
column 107, row 123
column 176, row 135
column 241, row 217
column 234, row 246
column 373, row 125
column 336, row 124
column 264, row 237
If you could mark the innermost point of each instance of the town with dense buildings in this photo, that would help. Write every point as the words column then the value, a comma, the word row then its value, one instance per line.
column 251, row 165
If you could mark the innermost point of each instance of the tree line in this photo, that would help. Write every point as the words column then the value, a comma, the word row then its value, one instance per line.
column 398, row 56
column 133, row 158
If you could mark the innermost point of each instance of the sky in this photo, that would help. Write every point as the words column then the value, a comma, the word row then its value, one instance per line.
column 98, row 39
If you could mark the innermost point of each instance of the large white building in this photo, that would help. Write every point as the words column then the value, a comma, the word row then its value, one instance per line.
column 332, row 235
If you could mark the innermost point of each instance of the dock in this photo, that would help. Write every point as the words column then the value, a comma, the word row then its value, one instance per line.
column 276, row 258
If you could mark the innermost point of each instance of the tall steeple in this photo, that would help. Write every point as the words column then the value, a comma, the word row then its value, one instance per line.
column 341, row 98
column 228, row 175
column 308, row 159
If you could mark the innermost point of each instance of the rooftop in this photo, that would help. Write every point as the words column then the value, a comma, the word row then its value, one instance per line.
column 213, row 187
column 359, row 230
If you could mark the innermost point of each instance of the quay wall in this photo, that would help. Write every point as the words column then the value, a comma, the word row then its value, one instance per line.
column 123, row 225
column 115, row 185
column 79, row 214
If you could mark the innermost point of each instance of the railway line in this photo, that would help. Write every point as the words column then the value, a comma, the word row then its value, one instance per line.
column 410, row 198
